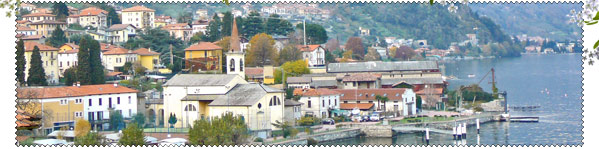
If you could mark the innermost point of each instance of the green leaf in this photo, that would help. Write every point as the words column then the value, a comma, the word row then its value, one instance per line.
column 226, row 2
column 431, row 2
column 596, row 16
column 596, row 45
column 592, row 23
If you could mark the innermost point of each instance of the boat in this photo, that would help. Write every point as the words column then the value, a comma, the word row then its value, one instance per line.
column 471, row 76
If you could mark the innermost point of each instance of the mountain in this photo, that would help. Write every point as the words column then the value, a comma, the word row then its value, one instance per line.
column 545, row 20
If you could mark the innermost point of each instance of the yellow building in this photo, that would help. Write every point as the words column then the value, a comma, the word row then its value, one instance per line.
column 46, row 27
column 269, row 77
column 159, row 23
column 148, row 58
column 203, row 56
column 36, row 17
column 181, row 31
column 67, row 47
column 116, row 58
column 138, row 16
column 63, row 106
column 49, row 58
column 120, row 33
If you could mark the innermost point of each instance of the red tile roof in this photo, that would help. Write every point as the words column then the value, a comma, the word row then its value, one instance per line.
column 32, row 37
column 370, row 94
column 70, row 91
column 320, row 92
column 138, row 8
column 176, row 26
column 29, row 45
column 117, row 51
column 434, row 91
column 361, row 77
column 92, row 11
column 145, row 52
column 39, row 15
column 105, row 47
column 361, row 106
column 255, row 71
column 203, row 46
column 307, row 48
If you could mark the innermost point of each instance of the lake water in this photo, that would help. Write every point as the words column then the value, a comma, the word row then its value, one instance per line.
column 560, row 114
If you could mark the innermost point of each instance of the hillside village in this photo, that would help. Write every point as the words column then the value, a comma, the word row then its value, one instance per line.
column 104, row 62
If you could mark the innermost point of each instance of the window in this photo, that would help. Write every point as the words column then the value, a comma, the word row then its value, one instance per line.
column 322, row 103
column 259, row 105
column 241, row 65
column 309, row 104
column 60, row 64
column 190, row 107
column 396, row 101
column 335, row 103
column 357, row 101
column 90, row 102
column 64, row 101
column 109, row 102
column 130, row 112
column 100, row 101
column 370, row 101
column 118, row 100
column 344, row 101
column 129, row 99
column 232, row 65
column 78, row 101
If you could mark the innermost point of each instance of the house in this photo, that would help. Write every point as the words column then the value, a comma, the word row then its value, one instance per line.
column 165, row 19
column 254, row 74
column 73, row 19
column 159, row 23
column 46, row 27
column 430, row 96
column 201, row 14
column 27, row 6
column 313, row 54
column 293, row 111
column 359, row 97
column 268, row 74
column 49, row 60
column 36, row 17
column 25, row 30
column 93, row 16
column 154, row 101
column 67, row 57
column 181, row 31
column 115, row 58
column 63, row 106
column 23, row 23
column 41, row 10
column 138, row 16
column 99, row 35
column 361, row 81
column 364, row 31
column 148, row 58
column 409, row 103
column 382, row 52
column 33, row 38
column 121, row 33
column 203, row 56
column 299, row 82
column 320, row 102
column 199, row 26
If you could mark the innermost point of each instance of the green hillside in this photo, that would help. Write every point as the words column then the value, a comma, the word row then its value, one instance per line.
column 545, row 20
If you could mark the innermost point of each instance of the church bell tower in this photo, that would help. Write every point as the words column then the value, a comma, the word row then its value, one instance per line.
column 235, row 56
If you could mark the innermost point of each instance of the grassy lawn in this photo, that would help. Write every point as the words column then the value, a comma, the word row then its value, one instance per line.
column 175, row 130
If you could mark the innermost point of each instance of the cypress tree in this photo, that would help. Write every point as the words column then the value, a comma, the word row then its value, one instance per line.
column 60, row 10
column 20, row 62
column 70, row 76
column 96, row 69
column 226, row 23
column 112, row 17
column 58, row 38
column 83, row 68
column 37, row 75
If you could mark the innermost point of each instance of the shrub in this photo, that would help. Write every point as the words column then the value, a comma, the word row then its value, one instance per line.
column 258, row 140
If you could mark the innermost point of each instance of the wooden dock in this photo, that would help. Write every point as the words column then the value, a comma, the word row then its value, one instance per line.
column 523, row 119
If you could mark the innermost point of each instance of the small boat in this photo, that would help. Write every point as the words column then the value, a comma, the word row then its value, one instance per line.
column 471, row 76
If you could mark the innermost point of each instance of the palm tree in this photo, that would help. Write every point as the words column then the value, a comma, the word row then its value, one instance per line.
column 384, row 100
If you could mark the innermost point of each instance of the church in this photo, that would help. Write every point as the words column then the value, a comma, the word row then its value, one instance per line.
column 191, row 97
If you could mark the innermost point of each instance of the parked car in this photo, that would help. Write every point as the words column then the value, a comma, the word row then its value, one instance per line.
column 328, row 121
column 356, row 118
column 375, row 117
column 365, row 118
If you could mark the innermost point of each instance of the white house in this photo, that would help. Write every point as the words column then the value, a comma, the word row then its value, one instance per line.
column 314, row 54
column 25, row 30
column 66, row 60
column 299, row 82
column 293, row 111
column 409, row 102
column 319, row 102
column 199, row 26
column 396, row 96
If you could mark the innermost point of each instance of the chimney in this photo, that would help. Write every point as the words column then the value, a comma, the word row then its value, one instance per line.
column 78, row 84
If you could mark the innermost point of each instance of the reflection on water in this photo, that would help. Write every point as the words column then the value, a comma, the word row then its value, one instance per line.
column 523, row 78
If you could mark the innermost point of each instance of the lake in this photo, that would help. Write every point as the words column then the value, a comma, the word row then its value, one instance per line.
column 553, row 82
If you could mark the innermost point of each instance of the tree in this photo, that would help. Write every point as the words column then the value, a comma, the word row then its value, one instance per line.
column 112, row 17
column 70, row 76
column 96, row 67
column 139, row 119
column 372, row 55
column 20, row 62
column 253, row 24
column 37, row 74
column 332, row 45
column 292, row 68
column 83, row 64
column 128, row 67
column 404, row 53
column 61, row 10
column 116, row 120
column 197, row 37
column 392, row 51
column 418, row 102
column 228, row 129
column 90, row 139
column 285, row 127
column 262, row 51
column 172, row 119
column 57, row 38
column 225, row 44
column 289, row 53
column 227, row 24
column 139, row 69
column 348, row 54
column 75, row 38
column 355, row 45
column 277, row 26
column 185, row 17
column 213, row 32
column 132, row 135
column 82, row 128
column 315, row 34
column 329, row 58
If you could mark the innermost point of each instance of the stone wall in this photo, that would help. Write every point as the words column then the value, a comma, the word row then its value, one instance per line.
column 377, row 130
column 324, row 137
